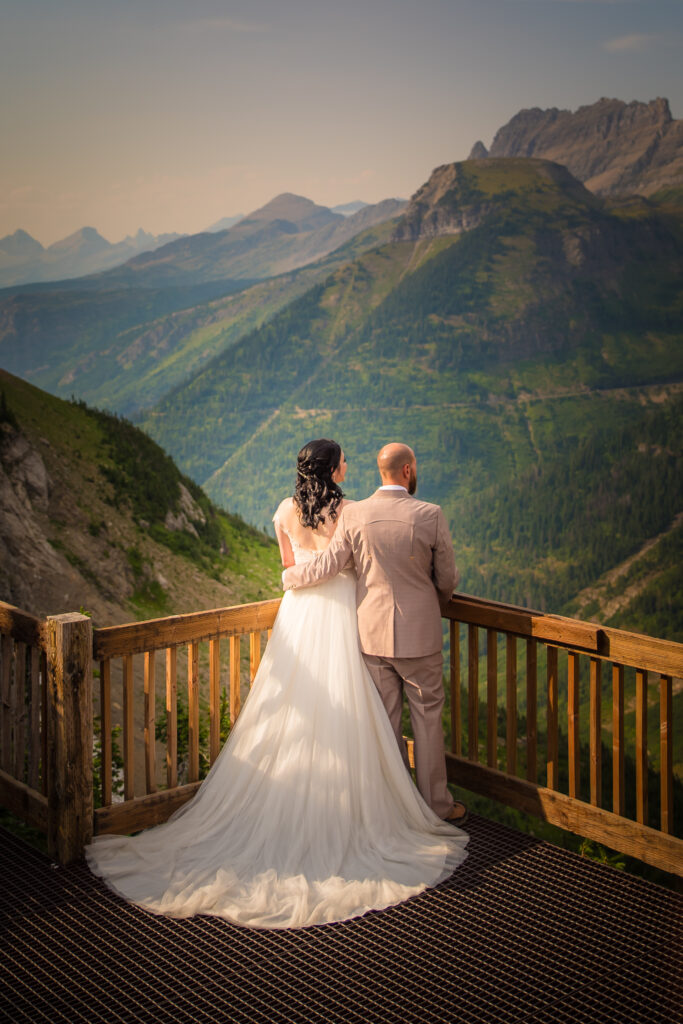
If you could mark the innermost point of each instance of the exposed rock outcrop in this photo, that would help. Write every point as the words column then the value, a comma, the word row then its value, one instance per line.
column 615, row 148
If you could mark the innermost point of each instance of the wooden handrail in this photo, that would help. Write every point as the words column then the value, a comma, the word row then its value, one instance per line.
column 155, row 634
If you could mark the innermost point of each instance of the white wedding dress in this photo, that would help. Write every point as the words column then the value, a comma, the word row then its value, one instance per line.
column 308, row 815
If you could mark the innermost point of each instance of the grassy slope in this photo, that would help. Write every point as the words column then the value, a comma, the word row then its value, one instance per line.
column 111, row 490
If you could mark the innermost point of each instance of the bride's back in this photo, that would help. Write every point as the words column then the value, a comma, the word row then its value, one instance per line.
column 300, row 536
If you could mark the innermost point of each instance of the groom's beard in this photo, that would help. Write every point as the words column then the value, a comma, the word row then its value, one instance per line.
column 412, row 483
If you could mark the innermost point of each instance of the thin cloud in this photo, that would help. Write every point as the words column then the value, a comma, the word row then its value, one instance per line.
column 637, row 41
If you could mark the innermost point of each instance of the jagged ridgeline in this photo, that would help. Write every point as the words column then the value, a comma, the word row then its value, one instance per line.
column 96, row 515
column 525, row 336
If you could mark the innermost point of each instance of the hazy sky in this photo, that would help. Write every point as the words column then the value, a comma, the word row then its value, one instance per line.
column 168, row 115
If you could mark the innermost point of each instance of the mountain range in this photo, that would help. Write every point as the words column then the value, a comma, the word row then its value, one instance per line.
column 24, row 260
column 615, row 148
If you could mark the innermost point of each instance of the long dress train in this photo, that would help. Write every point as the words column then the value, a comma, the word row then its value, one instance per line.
column 308, row 815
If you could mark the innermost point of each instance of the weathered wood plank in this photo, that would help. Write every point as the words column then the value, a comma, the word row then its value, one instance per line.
column 573, row 679
column 171, row 717
column 523, row 622
column 26, row 628
column 7, row 658
column 456, row 711
column 511, row 704
column 553, row 753
column 473, row 693
column 128, row 729
column 618, row 761
column 143, row 811
column 70, row 726
column 531, row 710
column 666, row 753
column 193, row 711
column 137, row 637
column 214, row 699
column 150, row 724
column 235, row 695
column 43, row 723
column 641, row 746
column 35, row 745
column 23, row 801
column 19, row 711
column 491, row 698
column 105, row 731
column 622, row 834
column 595, row 732
column 635, row 649
column 254, row 653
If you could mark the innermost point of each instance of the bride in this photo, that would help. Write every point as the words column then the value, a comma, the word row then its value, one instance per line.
column 308, row 814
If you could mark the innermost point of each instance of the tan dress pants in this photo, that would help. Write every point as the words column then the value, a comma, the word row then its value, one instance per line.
column 421, row 678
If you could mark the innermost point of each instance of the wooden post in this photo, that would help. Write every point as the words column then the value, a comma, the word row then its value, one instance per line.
column 456, row 719
column 70, row 736
column 473, row 693
column 254, row 654
column 596, row 732
column 641, row 746
column 531, row 709
column 618, row 775
column 105, row 730
column 171, row 717
column 150, row 724
column 193, row 711
column 666, row 754
column 573, row 722
column 553, row 759
column 214, row 699
column 511, row 704
column 128, row 729
column 7, row 656
column 492, row 698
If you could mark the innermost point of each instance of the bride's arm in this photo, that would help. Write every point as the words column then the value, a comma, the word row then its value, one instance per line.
column 286, row 553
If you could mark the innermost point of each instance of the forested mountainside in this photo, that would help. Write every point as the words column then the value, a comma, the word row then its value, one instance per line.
column 615, row 148
column 94, row 515
column 123, row 348
column 525, row 337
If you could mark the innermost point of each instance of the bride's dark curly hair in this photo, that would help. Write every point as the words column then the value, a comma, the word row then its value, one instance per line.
column 315, row 489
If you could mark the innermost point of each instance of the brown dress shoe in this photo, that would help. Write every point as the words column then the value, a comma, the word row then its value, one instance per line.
column 458, row 814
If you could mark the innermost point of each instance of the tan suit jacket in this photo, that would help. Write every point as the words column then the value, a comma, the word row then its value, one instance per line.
column 403, row 556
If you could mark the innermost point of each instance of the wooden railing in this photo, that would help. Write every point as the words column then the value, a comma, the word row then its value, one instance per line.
column 46, row 727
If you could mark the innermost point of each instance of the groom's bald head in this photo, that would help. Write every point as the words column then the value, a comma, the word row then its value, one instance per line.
column 397, row 465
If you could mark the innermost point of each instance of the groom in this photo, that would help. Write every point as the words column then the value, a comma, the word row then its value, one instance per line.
column 404, row 561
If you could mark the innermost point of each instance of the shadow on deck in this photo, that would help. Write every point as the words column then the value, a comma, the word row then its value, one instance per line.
column 523, row 932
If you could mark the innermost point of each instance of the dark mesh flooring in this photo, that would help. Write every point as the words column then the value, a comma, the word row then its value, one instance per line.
column 523, row 932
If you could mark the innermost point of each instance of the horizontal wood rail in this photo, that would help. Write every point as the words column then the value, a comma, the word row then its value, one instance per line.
column 155, row 634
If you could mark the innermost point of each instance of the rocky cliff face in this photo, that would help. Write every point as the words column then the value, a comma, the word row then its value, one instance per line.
column 615, row 148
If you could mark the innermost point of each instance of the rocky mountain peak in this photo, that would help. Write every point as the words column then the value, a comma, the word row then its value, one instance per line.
column 615, row 148
column 479, row 151
column 304, row 213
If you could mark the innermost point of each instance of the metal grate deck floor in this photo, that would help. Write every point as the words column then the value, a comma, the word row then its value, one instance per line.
column 523, row 932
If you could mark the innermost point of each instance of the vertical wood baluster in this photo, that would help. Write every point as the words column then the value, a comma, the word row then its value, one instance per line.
column 105, row 730
column 553, row 757
column 473, row 693
column 34, row 708
column 618, row 775
column 150, row 730
column 270, row 633
column 573, row 723
column 43, row 723
column 492, row 698
column 7, row 650
column 641, row 746
column 254, row 654
column 128, row 726
column 235, row 698
column 214, row 699
column 456, row 712
column 595, row 727
column 666, row 753
column 171, row 717
column 19, row 709
column 193, row 711
column 531, row 709
column 511, row 704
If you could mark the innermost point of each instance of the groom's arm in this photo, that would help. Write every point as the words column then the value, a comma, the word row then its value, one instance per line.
column 445, row 572
column 327, row 564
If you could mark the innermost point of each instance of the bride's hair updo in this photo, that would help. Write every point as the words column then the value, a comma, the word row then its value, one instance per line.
column 315, row 489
